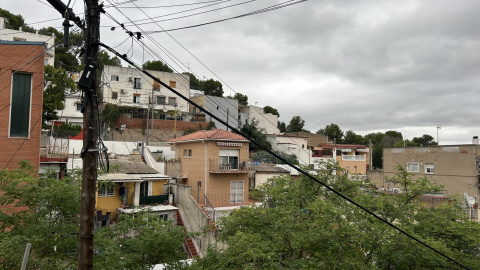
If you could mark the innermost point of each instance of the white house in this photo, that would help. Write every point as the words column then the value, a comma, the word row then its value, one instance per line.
column 267, row 122
column 128, row 86
column 19, row 35
column 291, row 145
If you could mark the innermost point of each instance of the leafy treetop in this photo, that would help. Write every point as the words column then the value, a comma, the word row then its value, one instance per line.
column 156, row 65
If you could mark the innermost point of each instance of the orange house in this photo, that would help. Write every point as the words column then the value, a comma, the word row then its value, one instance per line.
column 215, row 163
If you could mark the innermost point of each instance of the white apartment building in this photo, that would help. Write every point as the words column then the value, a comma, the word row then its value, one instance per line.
column 267, row 122
column 130, row 87
column 288, row 144
column 19, row 35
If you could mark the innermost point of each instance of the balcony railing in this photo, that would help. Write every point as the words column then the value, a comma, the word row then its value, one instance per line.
column 354, row 157
column 53, row 151
column 159, row 199
column 232, row 167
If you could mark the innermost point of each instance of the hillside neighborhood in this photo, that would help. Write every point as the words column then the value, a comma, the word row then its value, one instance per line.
column 230, row 204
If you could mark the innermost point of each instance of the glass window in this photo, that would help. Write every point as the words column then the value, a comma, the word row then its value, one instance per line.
column 105, row 190
column 115, row 78
column 429, row 168
column 79, row 106
column 137, row 83
column 160, row 100
column 236, row 191
column 114, row 95
column 136, row 98
column 20, row 108
column 172, row 101
column 412, row 167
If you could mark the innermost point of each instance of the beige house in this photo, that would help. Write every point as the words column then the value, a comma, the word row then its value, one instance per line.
column 454, row 166
column 215, row 164
column 353, row 158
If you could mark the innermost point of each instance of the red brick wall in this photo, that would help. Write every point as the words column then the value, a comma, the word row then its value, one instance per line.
column 159, row 124
column 21, row 58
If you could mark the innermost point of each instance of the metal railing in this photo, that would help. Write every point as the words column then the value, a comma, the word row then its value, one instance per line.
column 226, row 199
column 208, row 204
column 217, row 165
column 354, row 157
column 188, row 248
column 471, row 213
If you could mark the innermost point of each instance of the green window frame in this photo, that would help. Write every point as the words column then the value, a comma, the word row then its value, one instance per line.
column 20, row 105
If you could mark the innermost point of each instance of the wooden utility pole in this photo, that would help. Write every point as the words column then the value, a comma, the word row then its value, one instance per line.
column 90, row 138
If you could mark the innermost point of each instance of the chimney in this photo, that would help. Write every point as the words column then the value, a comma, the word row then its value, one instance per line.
column 475, row 140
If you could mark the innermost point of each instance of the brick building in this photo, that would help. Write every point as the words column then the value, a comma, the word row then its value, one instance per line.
column 21, row 99
column 214, row 163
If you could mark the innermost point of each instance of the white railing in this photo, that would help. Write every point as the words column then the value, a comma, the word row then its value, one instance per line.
column 354, row 157
column 357, row 177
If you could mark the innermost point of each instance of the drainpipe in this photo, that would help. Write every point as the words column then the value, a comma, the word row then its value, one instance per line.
column 206, row 168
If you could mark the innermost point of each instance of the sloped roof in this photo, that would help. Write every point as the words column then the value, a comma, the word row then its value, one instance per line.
column 214, row 134
column 267, row 167
column 130, row 167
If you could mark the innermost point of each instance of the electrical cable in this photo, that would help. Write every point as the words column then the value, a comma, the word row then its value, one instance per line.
column 292, row 165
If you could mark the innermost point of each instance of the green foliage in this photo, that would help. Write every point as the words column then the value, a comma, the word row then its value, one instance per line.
column 105, row 59
column 333, row 132
column 156, row 65
column 303, row 226
column 15, row 21
column 66, row 130
column 257, row 135
column 296, row 124
column 212, row 88
column 351, row 138
column 242, row 99
column 138, row 242
column 195, row 83
column 57, row 83
column 45, row 214
column 264, row 156
column 65, row 57
column 112, row 112
column 268, row 109
column 282, row 127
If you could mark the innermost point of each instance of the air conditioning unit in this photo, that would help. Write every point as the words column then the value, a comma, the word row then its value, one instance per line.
column 123, row 92
column 396, row 190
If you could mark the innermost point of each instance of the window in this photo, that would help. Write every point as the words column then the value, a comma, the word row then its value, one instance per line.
column 173, row 84
column 45, row 62
column 172, row 101
column 156, row 85
column 146, row 188
column 114, row 78
column 160, row 100
column 105, row 190
column 236, row 191
column 228, row 159
column 187, row 153
column 136, row 98
column 137, row 84
column 79, row 106
column 412, row 167
column 20, row 108
column 429, row 168
column 114, row 95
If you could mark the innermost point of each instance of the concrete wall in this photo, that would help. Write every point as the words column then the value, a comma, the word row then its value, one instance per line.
column 195, row 219
column 291, row 145
column 267, row 122
column 138, row 123
column 218, row 106
column 262, row 177
column 455, row 167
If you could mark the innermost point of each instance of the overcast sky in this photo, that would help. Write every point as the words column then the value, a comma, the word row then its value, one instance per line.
column 367, row 66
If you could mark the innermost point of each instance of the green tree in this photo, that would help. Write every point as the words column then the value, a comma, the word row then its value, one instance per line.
column 425, row 140
column 56, row 84
column 242, row 99
column 15, row 21
column 105, row 59
column 212, row 88
column 195, row 83
column 65, row 58
column 138, row 242
column 156, row 65
column 351, row 138
column 268, row 109
column 257, row 135
column 333, row 132
column 303, row 226
column 296, row 124
column 282, row 126
column 265, row 157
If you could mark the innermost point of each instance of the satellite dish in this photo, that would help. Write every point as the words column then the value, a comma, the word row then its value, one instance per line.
column 165, row 109
column 470, row 200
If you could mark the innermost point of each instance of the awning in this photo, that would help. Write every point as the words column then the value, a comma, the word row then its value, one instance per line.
column 123, row 177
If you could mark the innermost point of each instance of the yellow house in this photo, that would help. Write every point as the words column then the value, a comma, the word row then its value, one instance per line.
column 353, row 158
column 132, row 184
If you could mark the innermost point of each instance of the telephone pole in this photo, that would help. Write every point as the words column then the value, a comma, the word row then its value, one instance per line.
column 89, row 154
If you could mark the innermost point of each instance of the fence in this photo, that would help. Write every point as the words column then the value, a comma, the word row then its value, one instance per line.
column 159, row 199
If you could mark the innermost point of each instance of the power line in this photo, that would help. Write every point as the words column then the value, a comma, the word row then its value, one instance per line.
column 292, row 165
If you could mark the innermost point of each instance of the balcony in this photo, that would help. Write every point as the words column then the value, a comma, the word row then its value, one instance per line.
column 152, row 200
column 217, row 166
column 354, row 157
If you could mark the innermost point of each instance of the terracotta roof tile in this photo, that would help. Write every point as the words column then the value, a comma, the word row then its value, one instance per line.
column 214, row 134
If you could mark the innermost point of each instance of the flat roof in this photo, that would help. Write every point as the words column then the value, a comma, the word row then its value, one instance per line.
column 10, row 42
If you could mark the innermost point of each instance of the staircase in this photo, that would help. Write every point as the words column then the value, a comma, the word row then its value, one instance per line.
column 192, row 251
column 210, row 220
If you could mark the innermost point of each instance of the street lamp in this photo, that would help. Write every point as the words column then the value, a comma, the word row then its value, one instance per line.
column 438, row 142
